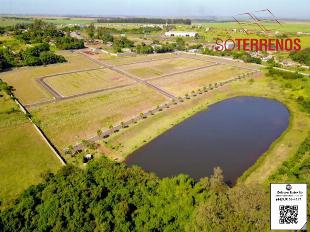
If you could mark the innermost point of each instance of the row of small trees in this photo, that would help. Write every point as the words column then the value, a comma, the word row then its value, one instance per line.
column 159, row 108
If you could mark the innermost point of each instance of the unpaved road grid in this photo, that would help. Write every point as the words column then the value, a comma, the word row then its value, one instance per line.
column 250, row 71
column 57, row 96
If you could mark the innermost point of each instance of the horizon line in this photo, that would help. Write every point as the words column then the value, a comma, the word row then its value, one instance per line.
column 210, row 17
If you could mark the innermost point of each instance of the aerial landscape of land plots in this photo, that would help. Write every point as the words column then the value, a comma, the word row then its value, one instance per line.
column 108, row 102
column 77, row 99
column 132, row 124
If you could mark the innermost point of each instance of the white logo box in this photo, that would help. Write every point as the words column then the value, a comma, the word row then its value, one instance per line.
column 288, row 206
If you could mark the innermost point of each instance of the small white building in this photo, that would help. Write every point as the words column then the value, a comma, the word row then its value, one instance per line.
column 181, row 34
column 193, row 50
column 95, row 50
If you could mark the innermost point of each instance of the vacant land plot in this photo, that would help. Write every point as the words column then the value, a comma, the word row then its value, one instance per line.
column 24, row 79
column 113, row 60
column 161, row 67
column 24, row 156
column 182, row 84
column 81, row 117
column 222, row 60
column 82, row 82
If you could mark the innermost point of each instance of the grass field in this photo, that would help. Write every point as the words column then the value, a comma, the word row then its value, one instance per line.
column 161, row 67
column 24, row 79
column 60, row 20
column 121, row 144
column 81, row 82
column 123, row 60
column 12, row 21
column 10, row 42
column 286, row 26
column 80, row 118
column 24, row 156
column 184, row 83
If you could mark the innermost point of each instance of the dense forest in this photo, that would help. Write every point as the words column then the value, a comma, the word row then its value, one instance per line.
column 109, row 196
column 145, row 20
column 39, row 54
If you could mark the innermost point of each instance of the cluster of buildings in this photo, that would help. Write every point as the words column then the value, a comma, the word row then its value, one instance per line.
column 181, row 34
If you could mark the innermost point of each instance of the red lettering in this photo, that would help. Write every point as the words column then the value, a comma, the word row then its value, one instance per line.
column 263, row 42
column 246, row 44
column 271, row 45
column 220, row 44
column 254, row 43
column 238, row 43
column 288, row 44
column 297, row 46
column 279, row 44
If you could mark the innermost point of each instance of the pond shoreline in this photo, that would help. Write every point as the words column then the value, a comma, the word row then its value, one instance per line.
column 124, row 143
column 231, row 134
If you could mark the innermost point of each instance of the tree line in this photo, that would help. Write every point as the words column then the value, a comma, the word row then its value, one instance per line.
column 39, row 54
column 145, row 20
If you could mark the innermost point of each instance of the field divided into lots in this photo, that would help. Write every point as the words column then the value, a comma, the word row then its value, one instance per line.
column 81, row 117
column 162, row 67
column 87, row 81
column 24, row 80
column 181, row 84
column 125, row 60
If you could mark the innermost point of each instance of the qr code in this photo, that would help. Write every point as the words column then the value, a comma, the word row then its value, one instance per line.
column 288, row 214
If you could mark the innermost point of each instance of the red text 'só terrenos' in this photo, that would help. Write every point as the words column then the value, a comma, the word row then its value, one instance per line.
column 258, row 44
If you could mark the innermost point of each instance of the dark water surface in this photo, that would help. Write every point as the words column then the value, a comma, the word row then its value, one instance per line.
column 231, row 134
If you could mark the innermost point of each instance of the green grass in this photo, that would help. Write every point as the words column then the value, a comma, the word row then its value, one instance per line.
column 124, row 60
column 82, row 82
column 24, row 156
column 12, row 43
column 161, row 67
column 82, row 21
column 12, row 21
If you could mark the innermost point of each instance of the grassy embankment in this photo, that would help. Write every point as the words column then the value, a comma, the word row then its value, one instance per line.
column 126, row 141
column 24, row 156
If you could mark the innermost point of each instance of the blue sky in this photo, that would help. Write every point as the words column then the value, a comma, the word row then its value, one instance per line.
column 167, row 8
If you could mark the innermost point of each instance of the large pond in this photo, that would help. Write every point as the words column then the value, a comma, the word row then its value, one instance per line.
column 231, row 134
